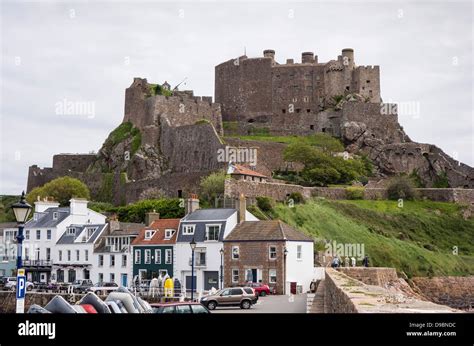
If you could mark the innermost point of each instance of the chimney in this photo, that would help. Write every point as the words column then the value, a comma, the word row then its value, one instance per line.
column 78, row 206
column 269, row 53
column 151, row 216
column 41, row 206
column 242, row 208
column 192, row 204
column 290, row 61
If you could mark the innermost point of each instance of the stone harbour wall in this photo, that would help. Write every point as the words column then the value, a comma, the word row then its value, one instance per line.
column 371, row 276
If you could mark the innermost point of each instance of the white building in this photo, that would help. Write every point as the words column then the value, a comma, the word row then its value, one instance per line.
column 73, row 253
column 112, row 260
column 208, row 228
column 48, row 224
column 8, row 233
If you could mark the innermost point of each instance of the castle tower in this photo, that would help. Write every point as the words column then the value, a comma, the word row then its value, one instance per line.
column 348, row 57
column 307, row 58
column 269, row 53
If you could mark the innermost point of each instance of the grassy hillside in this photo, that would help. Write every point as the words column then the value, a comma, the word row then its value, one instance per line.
column 417, row 239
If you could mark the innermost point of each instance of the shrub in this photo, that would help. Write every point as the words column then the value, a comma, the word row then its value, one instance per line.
column 212, row 186
column 296, row 197
column 265, row 204
column 61, row 190
column 167, row 208
column 441, row 181
column 355, row 192
column 401, row 187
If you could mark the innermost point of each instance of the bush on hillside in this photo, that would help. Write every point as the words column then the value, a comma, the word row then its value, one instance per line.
column 60, row 190
column 265, row 204
column 354, row 192
column 401, row 188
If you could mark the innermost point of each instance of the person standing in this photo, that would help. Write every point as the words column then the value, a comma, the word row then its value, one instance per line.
column 365, row 261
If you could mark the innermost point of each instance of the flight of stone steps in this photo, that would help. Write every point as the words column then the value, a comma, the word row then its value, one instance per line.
column 315, row 302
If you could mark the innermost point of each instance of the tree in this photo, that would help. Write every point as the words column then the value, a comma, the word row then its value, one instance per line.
column 61, row 190
column 212, row 186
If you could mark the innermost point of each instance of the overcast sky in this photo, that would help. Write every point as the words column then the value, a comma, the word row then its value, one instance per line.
column 83, row 52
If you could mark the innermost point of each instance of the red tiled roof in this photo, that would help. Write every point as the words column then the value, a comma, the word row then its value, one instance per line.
column 239, row 169
column 159, row 237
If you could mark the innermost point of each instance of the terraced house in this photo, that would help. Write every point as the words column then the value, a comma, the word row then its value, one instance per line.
column 154, row 249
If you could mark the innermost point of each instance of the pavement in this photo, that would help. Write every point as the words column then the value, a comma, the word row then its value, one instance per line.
column 271, row 304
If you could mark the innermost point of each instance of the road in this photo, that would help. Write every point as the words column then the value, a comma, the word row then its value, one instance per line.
column 271, row 304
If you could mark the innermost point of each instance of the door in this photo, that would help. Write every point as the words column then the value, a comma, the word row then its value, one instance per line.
column 211, row 280
column 254, row 275
column 235, row 295
column 124, row 280
column 71, row 275
column 188, row 283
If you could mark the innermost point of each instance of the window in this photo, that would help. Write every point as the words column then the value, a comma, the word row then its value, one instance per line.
column 48, row 234
column 200, row 258
column 283, row 110
column 55, row 215
column 71, row 230
column 183, row 309
column 60, row 255
column 157, row 256
column 112, row 277
column 199, row 309
column 235, row 276
column 37, row 253
column 212, row 232
column 272, row 274
column 112, row 260
column 169, row 233
column 101, row 260
column 77, row 255
column 147, row 256
column 69, row 255
column 272, row 252
column 86, row 255
column 168, row 256
column 38, row 234
column 90, row 231
column 48, row 254
column 188, row 229
column 236, row 291
column 27, row 253
column 27, row 234
column 138, row 256
column 311, row 127
column 299, row 252
column 35, row 216
column 60, row 275
column 168, row 310
column 124, row 260
column 101, row 277
column 235, row 252
column 149, row 234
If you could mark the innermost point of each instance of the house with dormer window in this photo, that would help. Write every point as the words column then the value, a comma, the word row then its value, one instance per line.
column 72, row 257
column 154, row 249
column 208, row 228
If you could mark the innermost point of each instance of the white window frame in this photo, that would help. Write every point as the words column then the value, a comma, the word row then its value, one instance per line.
column 270, row 252
column 218, row 232
column 238, row 252
column 38, row 232
column 48, row 234
column 169, row 233
column 27, row 234
column 147, row 256
column 60, row 255
column 138, row 256
column 157, row 256
column 149, row 233
column 235, row 273
column 55, row 215
column 124, row 260
column 78, row 255
column 112, row 263
column 188, row 229
column 168, row 256
column 86, row 255
column 112, row 277
column 100, row 260
column 270, row 271
column 299, row 252
column 69, row 255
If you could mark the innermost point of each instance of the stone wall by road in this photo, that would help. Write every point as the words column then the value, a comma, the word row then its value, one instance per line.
column 371, row 276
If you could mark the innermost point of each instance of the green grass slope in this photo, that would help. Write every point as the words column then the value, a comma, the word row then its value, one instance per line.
column 417, row 239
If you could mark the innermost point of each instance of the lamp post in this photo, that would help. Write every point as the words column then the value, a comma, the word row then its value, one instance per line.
column 285, row 252
column 22, row 211
column 193, row 247
column 222, row 267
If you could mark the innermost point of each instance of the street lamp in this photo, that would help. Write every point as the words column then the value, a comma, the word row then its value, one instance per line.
column 21, row 210
column 193, row 247
column 222, row 267
column 285, row 252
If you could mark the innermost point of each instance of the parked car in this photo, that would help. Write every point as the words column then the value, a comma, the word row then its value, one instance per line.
column 81, row 286
column 179, row 308
column 9, row 283
column 260, row 289
column 103, row 287
column 235, row 296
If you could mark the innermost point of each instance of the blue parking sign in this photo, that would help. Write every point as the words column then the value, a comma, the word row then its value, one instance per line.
column 20, row 287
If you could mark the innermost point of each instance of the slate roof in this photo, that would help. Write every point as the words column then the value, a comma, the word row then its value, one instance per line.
column 45, row 219
column 6, row 225
column 159, row 237
column 266, row 230
column 70, row 239
column 202, row 217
